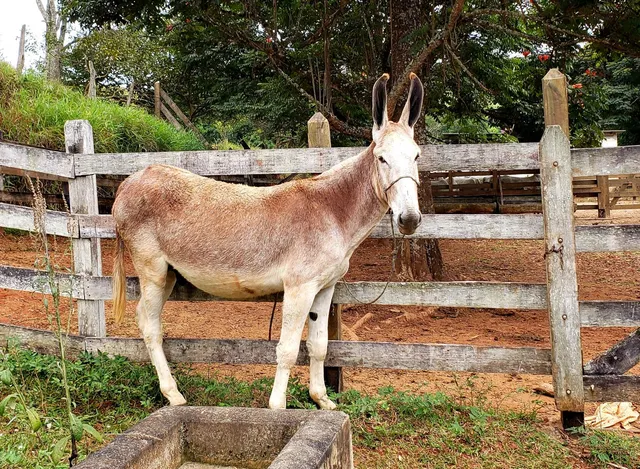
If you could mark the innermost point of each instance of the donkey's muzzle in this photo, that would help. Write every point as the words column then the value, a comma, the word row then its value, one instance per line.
column 408, row 222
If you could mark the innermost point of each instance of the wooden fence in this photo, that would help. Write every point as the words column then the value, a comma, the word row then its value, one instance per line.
column 515, row 192
column 601, row 379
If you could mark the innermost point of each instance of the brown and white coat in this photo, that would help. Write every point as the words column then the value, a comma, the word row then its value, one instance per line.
column 241, row 242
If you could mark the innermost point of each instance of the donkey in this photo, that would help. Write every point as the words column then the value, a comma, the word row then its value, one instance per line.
column 240, row 242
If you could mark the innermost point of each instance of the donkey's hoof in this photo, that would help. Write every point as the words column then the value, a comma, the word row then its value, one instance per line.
column 326, row 404
column 275, row 403
column 176, row 399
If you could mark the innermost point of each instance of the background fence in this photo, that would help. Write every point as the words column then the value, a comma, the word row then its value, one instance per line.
column 601, row 379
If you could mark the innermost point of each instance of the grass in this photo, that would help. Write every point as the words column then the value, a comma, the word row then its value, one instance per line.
column 391, row 429
column 33, row 112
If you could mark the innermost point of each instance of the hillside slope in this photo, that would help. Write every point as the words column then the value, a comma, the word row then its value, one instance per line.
column 33, row 112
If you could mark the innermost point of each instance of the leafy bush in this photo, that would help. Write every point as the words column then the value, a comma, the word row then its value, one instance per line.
column 33, row 112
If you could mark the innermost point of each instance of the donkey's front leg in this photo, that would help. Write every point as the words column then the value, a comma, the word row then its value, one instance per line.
column 317, row 346
column 295, row 307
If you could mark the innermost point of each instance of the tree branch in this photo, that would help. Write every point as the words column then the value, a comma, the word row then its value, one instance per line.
column 595, row 40
column 402, row 82
column 41, row 8
column 63, row 33
column 514, row 32
column 334, row 122
column 320, row 31
column 543, row 23
column 467, row 71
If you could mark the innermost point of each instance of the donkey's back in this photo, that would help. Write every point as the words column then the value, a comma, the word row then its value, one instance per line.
column 229, row 240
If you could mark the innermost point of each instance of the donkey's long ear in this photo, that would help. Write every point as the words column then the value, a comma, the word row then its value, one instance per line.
column 413, row 107
column 379, row 105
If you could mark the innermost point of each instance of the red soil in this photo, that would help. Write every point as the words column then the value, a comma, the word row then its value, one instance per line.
column 602, row 276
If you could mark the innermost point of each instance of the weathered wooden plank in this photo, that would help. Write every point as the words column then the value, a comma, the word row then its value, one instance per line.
column 618, row 359
column 96, row 226
column 318, row 131
column 605, row 161
column 223, row 162
column 455, row 294
column 21, row 218
column 87, row 257
column 604, row 203
column 610, row 313
column 40, row 341
column 555, row 100
column 156, row 98
column 170, row 117
column 593, row 313
column 560, row 256
column 612, row 388
column 443, row 226
column 30, row 280
column 36, row 159
column 33, row 174
column 470, row 226
column 341, row 354
column 607, row 238
column 626, row 207
column 181, row 115
column 309, row 160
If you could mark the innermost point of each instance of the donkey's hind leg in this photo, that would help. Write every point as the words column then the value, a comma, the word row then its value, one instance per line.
column 156, row 284
column 317, row 342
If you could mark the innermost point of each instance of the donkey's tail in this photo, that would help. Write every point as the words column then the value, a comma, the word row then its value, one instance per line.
column 119, row 281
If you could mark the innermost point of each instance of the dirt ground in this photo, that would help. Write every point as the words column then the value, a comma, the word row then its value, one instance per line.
column 602, row 276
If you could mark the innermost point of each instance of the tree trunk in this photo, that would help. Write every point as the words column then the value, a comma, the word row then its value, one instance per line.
column 407, row 17
column 327, row 62
column 55, row 31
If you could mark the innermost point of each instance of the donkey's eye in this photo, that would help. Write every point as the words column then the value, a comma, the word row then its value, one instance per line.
column 381, row 159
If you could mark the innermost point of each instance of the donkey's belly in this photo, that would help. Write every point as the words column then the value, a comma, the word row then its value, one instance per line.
column 233, row 286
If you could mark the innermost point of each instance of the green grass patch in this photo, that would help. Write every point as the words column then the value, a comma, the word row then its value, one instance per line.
column 391, row 429
column 33, row 112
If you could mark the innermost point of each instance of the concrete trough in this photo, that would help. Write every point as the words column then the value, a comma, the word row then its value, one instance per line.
column 230, row 438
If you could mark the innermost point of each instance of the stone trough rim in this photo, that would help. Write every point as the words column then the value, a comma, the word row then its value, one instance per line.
column 316, row 434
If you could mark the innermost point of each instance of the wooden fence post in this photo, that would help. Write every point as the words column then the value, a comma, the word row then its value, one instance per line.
column 560, row 253
column 319, row 136
column 87, row 258
column 555, row 100
column 91, row 93
column 20, row 64
column 562, row 282
column 604, row 202
column 156, row 98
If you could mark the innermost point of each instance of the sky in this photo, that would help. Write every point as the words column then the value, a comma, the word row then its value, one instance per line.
column 13, row 14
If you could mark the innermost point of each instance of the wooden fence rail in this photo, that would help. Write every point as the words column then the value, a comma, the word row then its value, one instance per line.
column 574, row 382
column 589, row 238
column 487, row 295
column 435, row 158
column 380, row 355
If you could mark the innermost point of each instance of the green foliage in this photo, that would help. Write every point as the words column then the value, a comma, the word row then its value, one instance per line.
column 607, row 447
column 119, row 56
column 36, row 111
column 390, row 428
column 452, row 129
column 235, row 60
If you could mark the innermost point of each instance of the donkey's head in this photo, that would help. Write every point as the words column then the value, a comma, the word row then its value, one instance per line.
column 396, row 153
